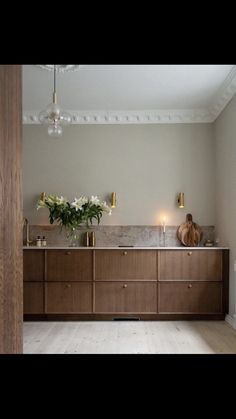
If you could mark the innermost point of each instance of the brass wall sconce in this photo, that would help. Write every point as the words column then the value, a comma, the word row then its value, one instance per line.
column 43, row 196
column 181, row 200
column 113, row 200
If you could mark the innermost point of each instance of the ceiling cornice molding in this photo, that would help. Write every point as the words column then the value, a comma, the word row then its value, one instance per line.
column 60, row 67
column 169, row 116
column 224, row 95
column 130, row 117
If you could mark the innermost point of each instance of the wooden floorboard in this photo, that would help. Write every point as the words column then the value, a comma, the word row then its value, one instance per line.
column 133, row 337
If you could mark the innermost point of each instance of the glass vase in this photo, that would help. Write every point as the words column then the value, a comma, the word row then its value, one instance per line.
column 73, row 237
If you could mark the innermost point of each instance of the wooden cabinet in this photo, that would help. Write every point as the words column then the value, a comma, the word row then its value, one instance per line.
column 69, row 265
column 125, row 264
column 33, row 265
column 68, row 287
column 125, row 281
column 190, row 297
column 191, row 265
column 191, row 281
column 154, row 284
column 58, row 281
column 123, row 297
column 33, row 300
column 68, row 297
column 33, row 275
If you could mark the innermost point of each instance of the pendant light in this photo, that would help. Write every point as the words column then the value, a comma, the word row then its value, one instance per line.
column 53, row 116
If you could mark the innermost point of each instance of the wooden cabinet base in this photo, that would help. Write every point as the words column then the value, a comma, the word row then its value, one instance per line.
column 95, row 316
column 33, row 298
column 125, row 297
column 124, row 285
column 190, row 297
column 68, row 297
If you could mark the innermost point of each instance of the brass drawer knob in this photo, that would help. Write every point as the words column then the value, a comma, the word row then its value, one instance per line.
column 189, row 285
column 68, row 285
column 125, row 286
column 68, row 253
column 125, row 253
column 189, row 253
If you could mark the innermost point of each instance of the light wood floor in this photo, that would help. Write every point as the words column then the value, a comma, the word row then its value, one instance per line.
column 134, row 337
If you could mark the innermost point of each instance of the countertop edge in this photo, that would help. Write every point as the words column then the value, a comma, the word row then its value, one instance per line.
column 123, row 248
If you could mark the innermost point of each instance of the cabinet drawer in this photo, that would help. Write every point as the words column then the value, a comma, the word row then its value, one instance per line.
column 132, row 297
column 33, row 265
column 69, row 265
column 68, row 297
column 125, row 264
column 190, row 297
column 191, row 264
column 33, row 298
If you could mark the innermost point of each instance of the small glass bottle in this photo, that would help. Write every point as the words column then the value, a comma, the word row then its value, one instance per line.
column 38, row 241
column 44, row 241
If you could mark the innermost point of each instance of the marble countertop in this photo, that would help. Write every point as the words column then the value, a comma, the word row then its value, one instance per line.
column 125, row 248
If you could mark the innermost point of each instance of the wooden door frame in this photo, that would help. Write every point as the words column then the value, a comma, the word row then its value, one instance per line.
column 11, row 210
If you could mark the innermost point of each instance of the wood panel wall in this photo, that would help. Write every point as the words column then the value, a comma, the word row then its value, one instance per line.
column 11, row 214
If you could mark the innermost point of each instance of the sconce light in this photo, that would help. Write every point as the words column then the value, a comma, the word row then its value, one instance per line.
column 43, row 196
column 113, row 200
column 181, row 200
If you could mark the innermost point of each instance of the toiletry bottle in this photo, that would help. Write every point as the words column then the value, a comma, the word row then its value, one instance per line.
column 92, row 239
column 44, row 241
column 38, row 241
column 86, row 239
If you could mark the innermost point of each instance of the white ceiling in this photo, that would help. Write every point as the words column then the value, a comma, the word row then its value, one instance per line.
column 132, row 93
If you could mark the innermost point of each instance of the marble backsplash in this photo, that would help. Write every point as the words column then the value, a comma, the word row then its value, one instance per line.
column 117, row 235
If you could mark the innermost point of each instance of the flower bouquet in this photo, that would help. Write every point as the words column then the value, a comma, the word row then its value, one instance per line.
column 71, row 215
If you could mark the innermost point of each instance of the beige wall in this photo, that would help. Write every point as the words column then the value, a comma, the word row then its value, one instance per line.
column 146, row 165
column 225, row 139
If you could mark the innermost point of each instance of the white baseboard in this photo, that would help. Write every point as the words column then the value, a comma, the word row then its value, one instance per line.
column 231, row 320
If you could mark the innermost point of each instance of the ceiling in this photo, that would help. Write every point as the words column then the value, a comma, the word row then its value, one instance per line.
column 132, row 93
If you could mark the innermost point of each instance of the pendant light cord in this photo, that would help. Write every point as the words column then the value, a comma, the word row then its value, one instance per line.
column 54, row 78
column 54, row 93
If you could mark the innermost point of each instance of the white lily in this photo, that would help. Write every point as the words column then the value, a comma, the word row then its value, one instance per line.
column 106, row 207
column 50, row 199
column 83, row 200
column 75, row 204
column 61, row 200
column 78, row 203
column 41, row 204
column 94, row 200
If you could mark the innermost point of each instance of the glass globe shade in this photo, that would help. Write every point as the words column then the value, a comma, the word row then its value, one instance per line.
column 53, row 111
column 55, row 130
column 65, row 118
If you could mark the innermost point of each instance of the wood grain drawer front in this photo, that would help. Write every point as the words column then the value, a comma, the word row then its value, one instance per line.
column 191, row 264
column 190, row 297
column 68, row 297
column 33, row 265
column 132, row 297
column 33, row 298
column 69, row 265
column 125, row 264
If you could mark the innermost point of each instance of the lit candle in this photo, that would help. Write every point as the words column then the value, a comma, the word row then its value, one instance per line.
column 164, row 224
